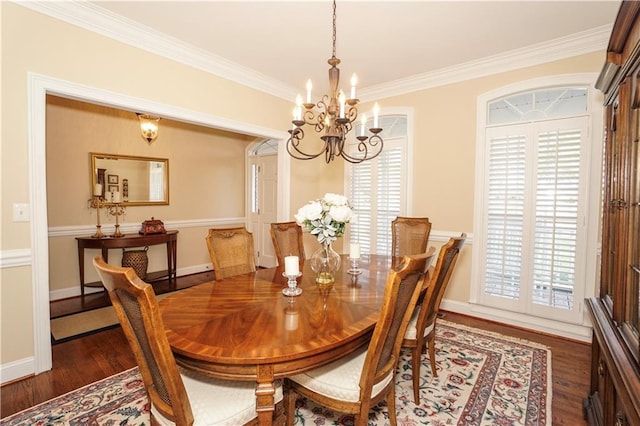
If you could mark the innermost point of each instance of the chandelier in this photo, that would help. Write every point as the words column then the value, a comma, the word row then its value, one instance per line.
column 334, row 115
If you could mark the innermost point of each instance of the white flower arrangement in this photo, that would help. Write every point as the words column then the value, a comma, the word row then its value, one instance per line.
column 326, row 217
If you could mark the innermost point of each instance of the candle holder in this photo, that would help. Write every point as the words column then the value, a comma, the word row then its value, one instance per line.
column 292, row 285
column 355, row 267
column 117, row 210
column 95, row 202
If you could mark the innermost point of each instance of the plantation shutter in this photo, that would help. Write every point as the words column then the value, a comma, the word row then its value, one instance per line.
column 388, row 196
column 505, row 214
column 535, row 188
column 557, row 195
column 377, row 189
column 361, row 196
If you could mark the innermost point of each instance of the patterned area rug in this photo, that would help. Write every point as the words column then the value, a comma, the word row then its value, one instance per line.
column 483, row 379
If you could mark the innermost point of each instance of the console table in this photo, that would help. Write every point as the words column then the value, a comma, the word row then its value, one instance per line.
column 170, row 238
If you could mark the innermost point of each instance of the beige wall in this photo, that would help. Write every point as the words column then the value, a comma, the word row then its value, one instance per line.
column 444, row 133
column 206, row 181
column 32, row 42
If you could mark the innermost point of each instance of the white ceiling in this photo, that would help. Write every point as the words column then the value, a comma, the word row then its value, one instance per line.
column 384, row 42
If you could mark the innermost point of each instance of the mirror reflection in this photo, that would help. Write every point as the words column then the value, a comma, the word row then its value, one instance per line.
column 130, row 180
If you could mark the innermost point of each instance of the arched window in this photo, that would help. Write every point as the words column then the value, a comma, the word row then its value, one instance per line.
column 532, row 200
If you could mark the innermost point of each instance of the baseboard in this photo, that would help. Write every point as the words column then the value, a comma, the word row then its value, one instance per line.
column 577, row 332
column 15, row 370
column 68, row 292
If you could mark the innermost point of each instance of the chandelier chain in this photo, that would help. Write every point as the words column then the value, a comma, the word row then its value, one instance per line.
column 334, row 29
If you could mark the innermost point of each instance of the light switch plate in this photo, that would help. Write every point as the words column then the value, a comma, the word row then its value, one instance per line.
column 21, row 212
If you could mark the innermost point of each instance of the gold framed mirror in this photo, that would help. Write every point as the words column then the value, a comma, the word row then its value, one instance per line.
column 138, row 181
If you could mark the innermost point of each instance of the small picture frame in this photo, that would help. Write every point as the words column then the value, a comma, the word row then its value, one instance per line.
column 114, row 188
column 112, row 179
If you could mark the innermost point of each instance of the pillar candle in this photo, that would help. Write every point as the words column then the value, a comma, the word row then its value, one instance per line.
column 97, row 190
column 354, row 251
column 115, row 197
column 291, row 266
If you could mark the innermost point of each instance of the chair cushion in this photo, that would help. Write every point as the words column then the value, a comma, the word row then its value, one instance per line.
column 412, row 333
column 218, row 402
column 341, row 379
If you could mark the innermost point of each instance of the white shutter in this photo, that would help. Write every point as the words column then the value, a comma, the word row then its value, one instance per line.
column 361, row 196
column 377, row 191
column 505, row 214
column 535, row 186
column 388, row 200
column 556, row 221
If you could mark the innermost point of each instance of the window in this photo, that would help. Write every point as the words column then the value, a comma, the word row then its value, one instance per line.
column 531, row 234
column 378, row 189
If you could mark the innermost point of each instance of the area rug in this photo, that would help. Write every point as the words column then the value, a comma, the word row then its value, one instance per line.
column 483, row 379
column 84, row 323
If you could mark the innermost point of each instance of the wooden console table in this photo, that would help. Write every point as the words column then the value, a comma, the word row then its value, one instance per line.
column 170, row 238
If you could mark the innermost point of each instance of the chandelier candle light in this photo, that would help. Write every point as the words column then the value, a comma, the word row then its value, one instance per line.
column 334, row 116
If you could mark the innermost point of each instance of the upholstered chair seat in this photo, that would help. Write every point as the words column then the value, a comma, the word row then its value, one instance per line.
column 341, row 379
column 239, row 398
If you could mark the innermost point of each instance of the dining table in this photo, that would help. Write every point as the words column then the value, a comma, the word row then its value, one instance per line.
column 244, row 327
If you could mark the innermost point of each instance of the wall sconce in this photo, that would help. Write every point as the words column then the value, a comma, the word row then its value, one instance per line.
column 148, row 126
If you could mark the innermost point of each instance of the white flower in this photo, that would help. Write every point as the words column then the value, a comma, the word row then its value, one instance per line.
column 327, row 217
column 340, row 213
column 310, row 211
column 335, row 199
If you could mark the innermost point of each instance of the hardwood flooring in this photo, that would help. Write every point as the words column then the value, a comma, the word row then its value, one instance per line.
column 81, row 361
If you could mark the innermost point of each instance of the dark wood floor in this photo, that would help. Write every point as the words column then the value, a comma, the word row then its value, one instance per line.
column 106, row 353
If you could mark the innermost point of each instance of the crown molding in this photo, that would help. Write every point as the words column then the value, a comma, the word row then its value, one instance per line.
column 561, row 48
column 93, row 18
column 101, row 21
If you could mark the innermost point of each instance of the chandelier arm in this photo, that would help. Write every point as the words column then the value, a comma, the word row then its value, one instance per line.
column 292, row 146
column 373, row 141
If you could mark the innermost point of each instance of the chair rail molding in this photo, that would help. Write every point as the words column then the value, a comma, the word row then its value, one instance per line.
column 15, row 258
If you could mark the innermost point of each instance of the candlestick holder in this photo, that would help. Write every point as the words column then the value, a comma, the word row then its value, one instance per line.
column 95, row 202
column 117, row 210
column 292, row 285
column 355, row 267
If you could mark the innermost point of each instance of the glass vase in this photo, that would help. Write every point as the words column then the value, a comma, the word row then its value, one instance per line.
column 325, row 262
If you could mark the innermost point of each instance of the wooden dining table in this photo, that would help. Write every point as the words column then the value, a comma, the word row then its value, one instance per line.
column 244, row 328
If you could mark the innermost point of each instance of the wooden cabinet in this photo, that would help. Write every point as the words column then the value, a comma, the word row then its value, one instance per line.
column 615, row 364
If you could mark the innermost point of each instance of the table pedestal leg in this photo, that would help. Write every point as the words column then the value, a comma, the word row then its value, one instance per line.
column 265, row 392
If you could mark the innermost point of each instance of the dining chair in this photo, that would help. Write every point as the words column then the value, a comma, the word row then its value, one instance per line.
column 358, row 381
column 409, row 235
column 287, row 241
column 231, row 251
column 422, row 325
column 177, row 396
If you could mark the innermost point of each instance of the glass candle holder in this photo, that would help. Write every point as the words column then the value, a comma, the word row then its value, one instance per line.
column 292, row 285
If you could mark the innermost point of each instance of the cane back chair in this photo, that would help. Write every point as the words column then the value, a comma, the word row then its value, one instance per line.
column 360, row 380
column 287, row 241
column 177, row 396
column 231, row 251
column 422, row 326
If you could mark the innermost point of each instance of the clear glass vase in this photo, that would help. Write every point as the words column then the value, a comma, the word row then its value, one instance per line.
column 325, row 262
